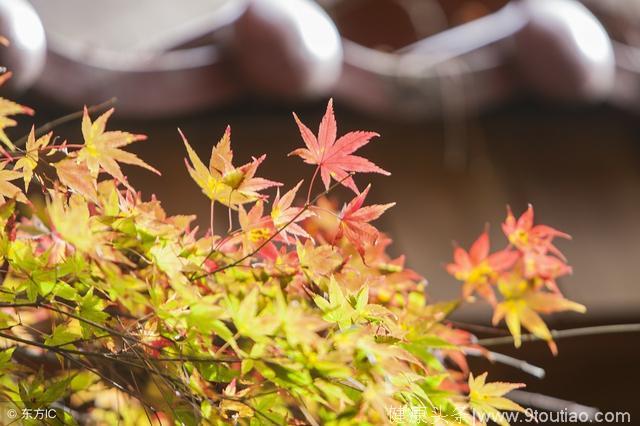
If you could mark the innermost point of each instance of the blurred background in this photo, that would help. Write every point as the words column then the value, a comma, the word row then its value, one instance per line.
column 480, row 103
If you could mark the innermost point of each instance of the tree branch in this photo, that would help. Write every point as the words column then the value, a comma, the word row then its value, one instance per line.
column 64, row 119
column 563, row 334
column 275, row 234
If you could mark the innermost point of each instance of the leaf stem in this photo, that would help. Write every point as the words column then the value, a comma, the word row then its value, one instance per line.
column 313, row 179
column 211, row 218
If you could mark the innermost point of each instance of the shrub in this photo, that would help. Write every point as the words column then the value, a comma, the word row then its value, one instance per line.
column 113, row 312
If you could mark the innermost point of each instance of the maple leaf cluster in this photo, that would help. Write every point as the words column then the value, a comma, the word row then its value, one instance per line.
column 525, row 274
column 114, row 312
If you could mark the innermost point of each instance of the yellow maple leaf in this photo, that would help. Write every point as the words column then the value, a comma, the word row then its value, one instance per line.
column 102, row 151
column 7, row 189
column 487, row 399
column 521, row 307
column 7, row 109
column 76, row 176
column 221, row 181
column 29, row 161
column 71, row 220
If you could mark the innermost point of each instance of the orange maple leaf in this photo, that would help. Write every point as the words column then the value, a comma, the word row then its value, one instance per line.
column 478, row 269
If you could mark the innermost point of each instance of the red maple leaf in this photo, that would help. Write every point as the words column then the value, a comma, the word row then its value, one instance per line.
column 354, row 221
column 334, row 157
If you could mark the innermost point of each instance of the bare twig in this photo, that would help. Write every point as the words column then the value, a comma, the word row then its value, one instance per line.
column 563, row 334
column 275, row 234
column 521, row 365
column 478, row 328
column 550, row 403
column 64, row 119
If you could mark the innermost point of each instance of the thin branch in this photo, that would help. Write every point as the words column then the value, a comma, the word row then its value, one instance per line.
column 521, row 365
column 67, row 354
column 153, row 379
column 563, row 334
column 108, row 380
column 65, row 119
column 478, row 328
column 55, row 349
column 549, row 403
column 275, row 234
column 83, row 340
column 125, row 336
column 121, row 358
column 123, row 355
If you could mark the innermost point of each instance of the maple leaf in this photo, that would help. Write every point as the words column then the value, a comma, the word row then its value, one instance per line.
column 318, row 262
column 354, row 221
column 545, row 268
column 102, row 149
column 523, row 303
column 7, row 189
column 231, row 407
column 345, row 308
column 526, row 236
column 249, row 320
column 221, row 181
column 29, row 161
column 487, row 399
column 77, row 176
column 337, row 309
column 478, row 269
column 7, row 109
column 536, row 242
column 72, row 220
column 283, row 214
column 334, row 157
column 256, row 229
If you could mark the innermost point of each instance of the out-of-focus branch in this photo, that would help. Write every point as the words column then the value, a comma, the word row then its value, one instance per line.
column 563, row 334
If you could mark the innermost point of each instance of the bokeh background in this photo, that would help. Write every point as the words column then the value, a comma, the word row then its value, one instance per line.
column 453, row 170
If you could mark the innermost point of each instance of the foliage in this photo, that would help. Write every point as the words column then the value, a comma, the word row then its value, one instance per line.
column 117, row 313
